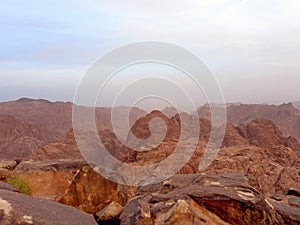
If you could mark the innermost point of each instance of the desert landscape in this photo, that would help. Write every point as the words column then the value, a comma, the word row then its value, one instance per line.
column 145, row 112
column 254, row 179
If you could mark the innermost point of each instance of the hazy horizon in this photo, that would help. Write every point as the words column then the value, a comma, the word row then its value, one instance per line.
column 251, row 47
column 145, row 106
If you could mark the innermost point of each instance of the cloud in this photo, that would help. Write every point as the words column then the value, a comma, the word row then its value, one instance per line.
column 50, row 40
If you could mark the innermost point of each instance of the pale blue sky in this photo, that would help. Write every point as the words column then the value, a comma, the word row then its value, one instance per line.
column 252, row 47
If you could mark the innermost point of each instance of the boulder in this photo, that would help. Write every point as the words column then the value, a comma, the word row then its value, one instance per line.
column 91, row 192
column 16, row 208
column 208, row 199
column 9, row 165
column 110, row 214
column 287, row 208
column 70, row 182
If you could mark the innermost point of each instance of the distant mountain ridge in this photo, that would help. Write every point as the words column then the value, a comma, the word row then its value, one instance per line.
column 285, row 116
column 53, row 121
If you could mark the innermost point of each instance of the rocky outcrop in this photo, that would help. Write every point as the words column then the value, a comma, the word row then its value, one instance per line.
column 258, row 148
column 90, row 192
column 276, row 169
column 16, row 208
column 168, row 134
column 206, row 199
column 110, row 214
column 70, row 182
column 6, row 169
column 287, row 208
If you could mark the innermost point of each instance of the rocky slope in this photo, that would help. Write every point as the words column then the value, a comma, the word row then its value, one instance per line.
column 19, row 139
column 65, row 148
column 32, row 124
column 55, row 117
column 258, row 148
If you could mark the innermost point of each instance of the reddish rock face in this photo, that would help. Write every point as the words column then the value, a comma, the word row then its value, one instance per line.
column 16, row 208
column 70, row 182
column 90, row 192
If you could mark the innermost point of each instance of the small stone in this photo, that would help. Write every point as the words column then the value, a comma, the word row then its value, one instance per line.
column 110, row 212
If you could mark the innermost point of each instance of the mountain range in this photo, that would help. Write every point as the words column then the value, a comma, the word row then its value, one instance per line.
column 257, row 165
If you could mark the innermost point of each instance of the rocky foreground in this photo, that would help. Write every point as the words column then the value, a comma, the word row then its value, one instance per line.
column 183, row 199
column 210, row 199
column 17, row 208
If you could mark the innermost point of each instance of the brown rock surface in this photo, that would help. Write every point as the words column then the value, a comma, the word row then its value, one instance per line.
column 91, row 192
column 266, row 154
column 110, row 214
column 276, row 169
column 206, row 199
column 70, row 182
column 16, row 208
column 169, row 136
column 287, row 208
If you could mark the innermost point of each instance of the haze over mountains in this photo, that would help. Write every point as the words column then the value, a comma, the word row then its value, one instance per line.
column 260, row 153
column 30, row 127
column 35, row 123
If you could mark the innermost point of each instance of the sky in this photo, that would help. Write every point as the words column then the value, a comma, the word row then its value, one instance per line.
column 251, row 46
